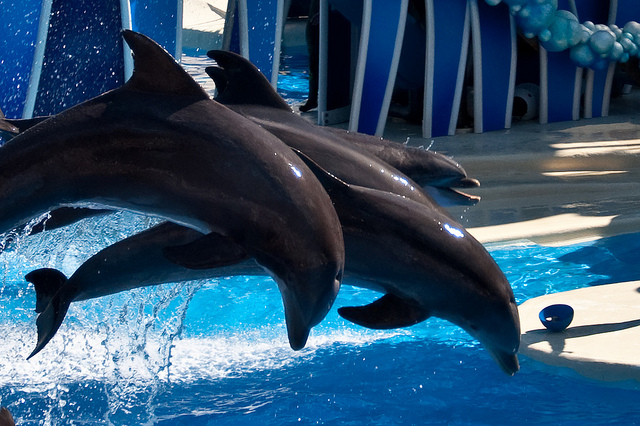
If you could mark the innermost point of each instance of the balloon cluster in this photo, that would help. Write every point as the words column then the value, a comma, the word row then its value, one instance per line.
column 590, row 45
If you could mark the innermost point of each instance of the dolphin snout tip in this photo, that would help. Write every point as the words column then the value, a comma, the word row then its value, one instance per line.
column 507, row 360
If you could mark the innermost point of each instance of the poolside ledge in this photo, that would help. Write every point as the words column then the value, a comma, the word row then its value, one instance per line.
column 602, row 342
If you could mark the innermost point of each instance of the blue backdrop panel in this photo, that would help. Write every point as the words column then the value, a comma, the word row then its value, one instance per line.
column 342, row 17
column 450, row 46
column 561, row 83
column 561, row 78
column 596, row 11
column 83, row 56
column 19, row 22
column 262, row 17
column 628, row 10
column 157, row 19
column 497, row 75
column 385, row 17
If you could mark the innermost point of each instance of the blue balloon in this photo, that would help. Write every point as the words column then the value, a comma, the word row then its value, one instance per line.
column 601, row 42
column 565, row 31
column 582, row 55
column 534, row 17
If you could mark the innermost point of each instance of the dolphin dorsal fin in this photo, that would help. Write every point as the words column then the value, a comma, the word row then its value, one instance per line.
column 245, row 84
column 329, row 182
column 155, row 70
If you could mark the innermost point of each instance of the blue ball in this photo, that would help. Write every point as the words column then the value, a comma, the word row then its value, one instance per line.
column 556, row 317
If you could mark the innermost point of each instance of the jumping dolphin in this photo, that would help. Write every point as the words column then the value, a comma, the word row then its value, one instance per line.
column 424, row 262
column 437, row 174
column 242, row 87
column 245, row 90
column 159, row 145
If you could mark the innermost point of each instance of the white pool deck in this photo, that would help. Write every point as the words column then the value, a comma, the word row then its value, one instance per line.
column 557, row 184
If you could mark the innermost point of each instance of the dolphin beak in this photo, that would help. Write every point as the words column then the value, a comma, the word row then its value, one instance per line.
column 448, row 197
column 301, row 313
column 298, row 327
column 507, row 361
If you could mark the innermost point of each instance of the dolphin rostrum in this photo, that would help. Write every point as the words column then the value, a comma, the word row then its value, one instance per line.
column 424, row 262
column 160, row 146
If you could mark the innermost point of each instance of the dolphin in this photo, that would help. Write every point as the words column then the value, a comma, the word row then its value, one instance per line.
column 437, row 174
column 440, row 176
column 160, row 146
column 425, row 263
column 242, row 88
column 136, row 261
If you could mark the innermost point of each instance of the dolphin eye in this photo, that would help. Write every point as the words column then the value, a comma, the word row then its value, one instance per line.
column 473, row 327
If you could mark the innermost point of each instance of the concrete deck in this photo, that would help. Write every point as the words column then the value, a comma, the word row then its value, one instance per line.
column 583, row 177
column 602, row 342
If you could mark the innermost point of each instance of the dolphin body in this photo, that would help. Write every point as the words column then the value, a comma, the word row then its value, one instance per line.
column 159, row 145
column 437, row 174
column 425, row 263
column 245, row 90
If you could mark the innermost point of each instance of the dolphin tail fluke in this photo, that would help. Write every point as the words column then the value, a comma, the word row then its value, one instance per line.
column 388, row 312
column 48, row 283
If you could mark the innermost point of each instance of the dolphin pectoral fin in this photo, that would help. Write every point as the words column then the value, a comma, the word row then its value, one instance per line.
column 46, row 282
column 390, row 311
column 50, row 320
column 211, row 251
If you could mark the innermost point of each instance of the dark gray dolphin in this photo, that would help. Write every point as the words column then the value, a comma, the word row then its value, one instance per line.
column 245, row 90
column 437, row 174
column 424, row 262
column 427, row 265
column 136, row 261
column 160, row 146
column 242, row 87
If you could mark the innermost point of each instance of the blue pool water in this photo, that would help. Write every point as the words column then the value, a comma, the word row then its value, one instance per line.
column 215, row 352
